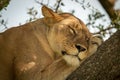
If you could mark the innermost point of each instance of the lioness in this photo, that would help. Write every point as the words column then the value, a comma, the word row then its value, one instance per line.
column 47, row 49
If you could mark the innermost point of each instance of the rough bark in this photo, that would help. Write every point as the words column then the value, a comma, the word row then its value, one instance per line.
column 103, row 65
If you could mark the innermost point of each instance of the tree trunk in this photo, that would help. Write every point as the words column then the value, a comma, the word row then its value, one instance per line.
column 103, row 65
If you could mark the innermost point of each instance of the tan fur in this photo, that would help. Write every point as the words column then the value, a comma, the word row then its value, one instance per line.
column 46, row 49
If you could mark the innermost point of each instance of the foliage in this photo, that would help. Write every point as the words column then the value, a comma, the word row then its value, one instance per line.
column 93, row 17
column 32, row 13
column 3, row 4
column 116, row 22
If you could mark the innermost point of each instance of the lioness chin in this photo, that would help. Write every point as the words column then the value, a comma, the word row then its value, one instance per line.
column 49, row 48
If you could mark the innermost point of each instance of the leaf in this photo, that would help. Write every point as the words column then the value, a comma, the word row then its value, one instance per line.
column 76, row 0
column 0, row 15
column 62, row 4
column 73, row 11
column 2, row 22
column 83, row 7
column 88, row 4
column 89, row 16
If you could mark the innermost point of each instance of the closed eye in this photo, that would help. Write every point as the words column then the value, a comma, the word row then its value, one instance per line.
column 72, row 30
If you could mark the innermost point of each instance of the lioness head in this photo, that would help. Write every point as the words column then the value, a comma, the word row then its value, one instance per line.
column 68, row 36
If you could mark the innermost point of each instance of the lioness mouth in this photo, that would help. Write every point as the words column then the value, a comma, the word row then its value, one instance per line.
column 65, row 53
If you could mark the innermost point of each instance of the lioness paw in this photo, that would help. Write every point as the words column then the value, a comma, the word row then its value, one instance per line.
column 95, row 42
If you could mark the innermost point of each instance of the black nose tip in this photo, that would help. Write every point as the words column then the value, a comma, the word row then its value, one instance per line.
column 80, row 48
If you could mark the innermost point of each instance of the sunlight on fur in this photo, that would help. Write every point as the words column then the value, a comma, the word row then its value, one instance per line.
column 71, row 60
column 27, row 66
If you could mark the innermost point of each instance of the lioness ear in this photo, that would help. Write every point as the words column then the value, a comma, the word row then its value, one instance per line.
column 48, row 13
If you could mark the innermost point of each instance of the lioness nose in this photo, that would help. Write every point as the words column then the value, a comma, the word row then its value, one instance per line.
column 80, row 48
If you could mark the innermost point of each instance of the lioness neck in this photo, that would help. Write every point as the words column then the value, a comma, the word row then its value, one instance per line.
column 41, row 32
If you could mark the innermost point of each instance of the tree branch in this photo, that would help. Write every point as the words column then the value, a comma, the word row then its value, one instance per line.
column 41, row 3
column 58, row 5
column 104, row 30
column 108, row 5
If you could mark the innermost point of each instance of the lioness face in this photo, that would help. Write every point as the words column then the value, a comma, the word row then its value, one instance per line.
column 70, row 39
column 67, row 36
